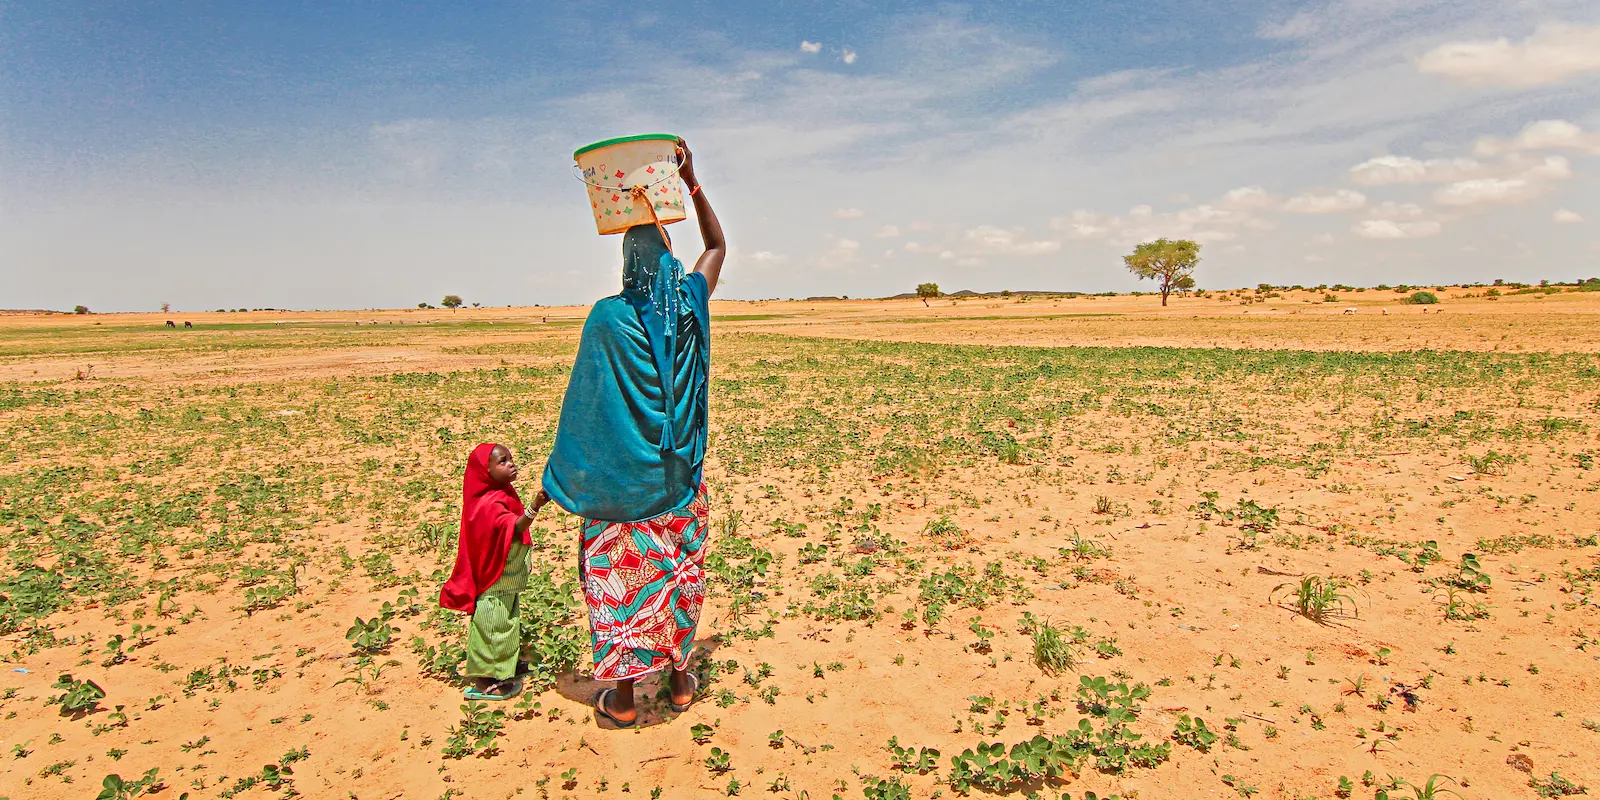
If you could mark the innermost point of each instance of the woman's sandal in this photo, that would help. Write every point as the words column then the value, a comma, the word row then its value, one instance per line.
column 599, row 705
column 694, row 689
column 504, row 690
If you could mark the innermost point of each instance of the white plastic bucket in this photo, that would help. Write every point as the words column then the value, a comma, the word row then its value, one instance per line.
column 617, row 170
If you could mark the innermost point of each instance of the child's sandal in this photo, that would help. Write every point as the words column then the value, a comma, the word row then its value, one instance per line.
column 504, row 690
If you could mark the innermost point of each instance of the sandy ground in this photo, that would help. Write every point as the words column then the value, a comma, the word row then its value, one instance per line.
column 1190, row 611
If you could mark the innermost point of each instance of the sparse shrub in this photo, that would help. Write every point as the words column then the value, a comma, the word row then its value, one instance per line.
column 1315, row 598
column 1490, row 463
column 1422, row 299
column 1052, row 650
column 947, row 534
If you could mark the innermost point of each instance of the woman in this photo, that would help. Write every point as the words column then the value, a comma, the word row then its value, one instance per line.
column 628, row 457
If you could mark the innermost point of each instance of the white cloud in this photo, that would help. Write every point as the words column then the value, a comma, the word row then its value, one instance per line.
column 1323, row 239
column 887, row 232
column 1389, row 209
column 810, row 47
column 1203, row 223
column 989, row 239
column 1486, row 191
column 765, row 257
column 1546, row 134
column 849, row 56
column 1552, row 168
column 848, row 213
column 840, row 253
column 919, row 247
column 1325, row 202
column 1298, row 26
column 1084, row 225
column 1390, row 229
column 1207, row 222
column 1385, row 170
column 1552, row 54
column 1567, row 217
column 1525, row 181
column 1247, row 198
column 922, row 225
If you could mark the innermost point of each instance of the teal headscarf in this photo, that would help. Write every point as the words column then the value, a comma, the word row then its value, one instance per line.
column 631, row 442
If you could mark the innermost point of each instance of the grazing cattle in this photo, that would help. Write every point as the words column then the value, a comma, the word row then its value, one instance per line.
column 170, row 324
column 1350, row 311
column 188, row 324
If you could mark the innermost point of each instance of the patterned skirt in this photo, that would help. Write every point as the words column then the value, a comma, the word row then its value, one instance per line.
column 644, row 583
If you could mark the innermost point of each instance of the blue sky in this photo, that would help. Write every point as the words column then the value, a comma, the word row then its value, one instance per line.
column 353, row 155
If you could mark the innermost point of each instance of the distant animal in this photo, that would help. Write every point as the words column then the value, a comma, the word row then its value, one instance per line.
column 188, row 324
column 1350, row 311
column 1386, row 312
column 170, row 324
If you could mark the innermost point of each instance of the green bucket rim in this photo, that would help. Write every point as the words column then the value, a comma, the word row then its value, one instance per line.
column 641, row 137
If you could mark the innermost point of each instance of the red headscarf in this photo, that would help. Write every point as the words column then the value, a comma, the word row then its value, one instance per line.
column 488, row 522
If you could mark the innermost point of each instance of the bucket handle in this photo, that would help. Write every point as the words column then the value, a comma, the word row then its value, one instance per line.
column 577, row 172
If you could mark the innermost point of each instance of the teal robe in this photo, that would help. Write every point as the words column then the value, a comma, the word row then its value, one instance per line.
column 631, row 442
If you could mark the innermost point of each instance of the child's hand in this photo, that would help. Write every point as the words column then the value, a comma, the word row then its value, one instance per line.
column 540, row 499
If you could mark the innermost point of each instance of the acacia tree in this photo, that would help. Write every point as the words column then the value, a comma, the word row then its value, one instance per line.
column 1170, row 262
column 451, row 301
column 927, row 291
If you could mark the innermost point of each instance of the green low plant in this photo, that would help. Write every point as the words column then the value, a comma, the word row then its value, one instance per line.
column 1430, row 790
column 1192, row 731
column 370, row 636
column 1470, row 574
column 1490, row 463
column 719, row 761
column 1556, row 786
column 114, row 787
column 1315, row 598
column 921, row 761
column 76, row 696
column 890, row 788
column 1053, row 652
column 476, row 731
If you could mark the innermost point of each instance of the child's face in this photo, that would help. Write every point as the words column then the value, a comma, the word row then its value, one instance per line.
column 502, row 467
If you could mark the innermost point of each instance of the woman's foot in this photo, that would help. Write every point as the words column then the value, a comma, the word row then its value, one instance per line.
column 616, row 706
column 682, row 685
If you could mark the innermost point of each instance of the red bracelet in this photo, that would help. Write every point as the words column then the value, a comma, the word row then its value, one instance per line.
column 695, row 190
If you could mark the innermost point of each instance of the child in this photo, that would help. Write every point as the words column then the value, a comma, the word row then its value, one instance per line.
column 491, row 568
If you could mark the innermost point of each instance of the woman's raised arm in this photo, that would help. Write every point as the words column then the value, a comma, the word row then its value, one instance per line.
column 710, row 264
